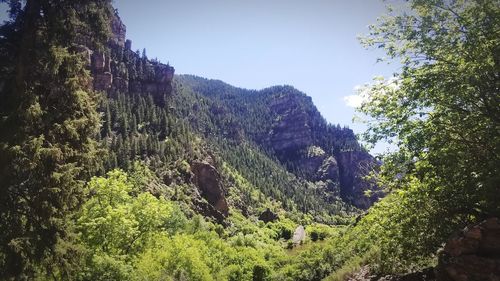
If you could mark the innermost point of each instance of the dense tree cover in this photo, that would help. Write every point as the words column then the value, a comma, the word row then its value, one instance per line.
column 186, row 128
column 48, row 122
column 296, row 195
column 442, row 112
column 140, row 222
column 236, row 111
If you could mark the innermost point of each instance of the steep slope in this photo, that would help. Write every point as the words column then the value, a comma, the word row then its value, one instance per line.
column 285, row 123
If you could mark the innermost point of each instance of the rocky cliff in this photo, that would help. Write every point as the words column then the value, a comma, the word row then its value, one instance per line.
column 284, row 123
column 353, row 167
column 119, row 69
column 208, row 181
column 291, row 128
column 304, row 141
column 472, row 254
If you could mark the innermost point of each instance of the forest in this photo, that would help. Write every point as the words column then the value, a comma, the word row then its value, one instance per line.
column 113, row 167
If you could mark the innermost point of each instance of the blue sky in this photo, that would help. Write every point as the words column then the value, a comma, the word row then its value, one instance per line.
column 311, row 45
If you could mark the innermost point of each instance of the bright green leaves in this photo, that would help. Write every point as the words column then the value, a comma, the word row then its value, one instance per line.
column 445, row 116
column 117, row 223
column 130, row 234
column 181, row 258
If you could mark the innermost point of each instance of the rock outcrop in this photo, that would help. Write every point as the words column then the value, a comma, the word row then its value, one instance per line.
column 311, row 160
column 299, row 235
column 122, row 70
column 118, row 32
column 329, row 170
column 298, row 138
column 366, row 273
column 473, row 254
column 268, row 216
column 208, row 181
column 353, row 167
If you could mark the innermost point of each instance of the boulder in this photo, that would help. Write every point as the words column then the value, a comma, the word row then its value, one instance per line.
column 299, row 235
column 472, row 254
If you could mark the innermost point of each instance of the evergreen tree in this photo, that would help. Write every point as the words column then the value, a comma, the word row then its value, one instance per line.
column 47, row 127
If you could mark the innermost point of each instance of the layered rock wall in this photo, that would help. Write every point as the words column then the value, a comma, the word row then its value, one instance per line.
column 294, row 138
column 119, row 69
column 473, row 254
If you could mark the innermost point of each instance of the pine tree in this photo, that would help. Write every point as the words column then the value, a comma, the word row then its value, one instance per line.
column 47, row 127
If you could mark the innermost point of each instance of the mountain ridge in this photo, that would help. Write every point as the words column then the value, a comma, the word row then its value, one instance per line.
column 153, row 115
column 293, row 144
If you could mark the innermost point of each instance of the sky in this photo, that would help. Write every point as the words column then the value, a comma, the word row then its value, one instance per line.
column 311, row 45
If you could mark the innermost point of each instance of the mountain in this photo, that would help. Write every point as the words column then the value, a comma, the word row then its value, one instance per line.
column 275, row 138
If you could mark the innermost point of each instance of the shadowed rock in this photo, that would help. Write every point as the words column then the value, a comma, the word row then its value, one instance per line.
column 473, row 254
column 353, row 167
column 291, row 130
column 208, row 181
column 268, row 216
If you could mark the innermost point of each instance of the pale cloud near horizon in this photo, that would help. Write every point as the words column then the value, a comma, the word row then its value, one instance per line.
column 362, row 92
column 356, row 100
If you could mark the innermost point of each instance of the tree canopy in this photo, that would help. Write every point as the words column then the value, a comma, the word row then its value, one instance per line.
column 48, row 122
column 443, row 111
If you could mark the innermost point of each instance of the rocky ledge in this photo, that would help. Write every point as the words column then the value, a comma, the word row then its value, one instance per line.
column 119, row 69
column 208, row 180
column 472, row 254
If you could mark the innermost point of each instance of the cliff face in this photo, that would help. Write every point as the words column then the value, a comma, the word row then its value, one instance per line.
column 284, row 123
column 353, row 167
column 291, row 130
column 120, row 69
column 301, row 138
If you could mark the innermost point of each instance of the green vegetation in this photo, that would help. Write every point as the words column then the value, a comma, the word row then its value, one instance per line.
column 443, row 108
column 102, row 185
column 128, row 234
column 442, row 112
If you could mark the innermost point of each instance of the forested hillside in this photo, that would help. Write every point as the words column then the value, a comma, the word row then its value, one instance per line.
column 112, row 167
column 171, row 122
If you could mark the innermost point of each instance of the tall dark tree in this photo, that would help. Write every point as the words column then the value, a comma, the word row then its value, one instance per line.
column 48, row 121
